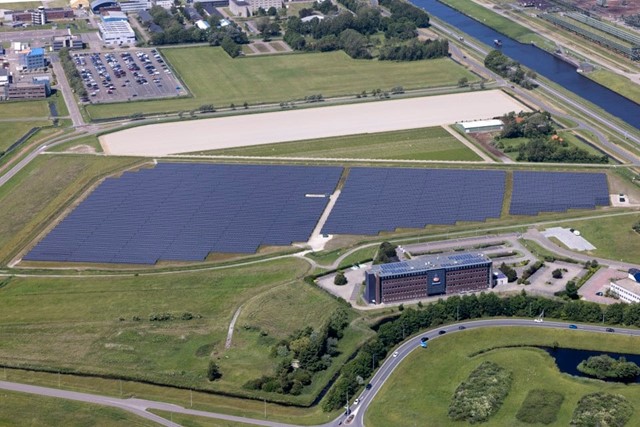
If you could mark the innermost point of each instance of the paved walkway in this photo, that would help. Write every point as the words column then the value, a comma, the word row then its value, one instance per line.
column 468, row 143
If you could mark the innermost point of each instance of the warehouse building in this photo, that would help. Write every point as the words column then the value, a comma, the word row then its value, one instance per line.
column 117, row 33
column 428, row 276
column 481, row 126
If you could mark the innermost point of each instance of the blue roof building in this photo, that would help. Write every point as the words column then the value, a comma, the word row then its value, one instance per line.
column 427, row 276
column 634, row 274
column 32, row 59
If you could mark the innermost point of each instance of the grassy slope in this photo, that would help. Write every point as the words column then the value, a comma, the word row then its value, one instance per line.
column 31, row 410
column 214, row 78
column 616, row 83
column 416, row 144
column 193, row 421
column 612, row 237
column 418, row 396
column 86, row 323
column 11, row 132
column 24, row 109
column 46, row 185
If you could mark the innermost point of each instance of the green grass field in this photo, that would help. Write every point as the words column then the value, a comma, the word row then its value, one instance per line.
column 20, row 5
column 214, row 78
column 616, row 83
column 492, row 19
column 612, row 237
column 24, row 109
column 193, row 421
column 40, row 190
column 433, row 143
column 32, row 410
column 10, row 133
column 420, row 389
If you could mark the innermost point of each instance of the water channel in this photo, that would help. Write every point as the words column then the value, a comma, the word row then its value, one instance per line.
column 542, row 62
column 568, row 359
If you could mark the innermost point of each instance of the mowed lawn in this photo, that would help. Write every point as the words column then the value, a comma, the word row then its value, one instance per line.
column 419, row 391
column 215, row 78
column 103, row 326
column 32, row 410
column 24, row 110
column 433, row 143
column 45, row 186
column 11, row 132
column 613, row 237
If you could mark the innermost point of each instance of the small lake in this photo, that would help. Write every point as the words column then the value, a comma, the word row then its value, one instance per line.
column 568, row 359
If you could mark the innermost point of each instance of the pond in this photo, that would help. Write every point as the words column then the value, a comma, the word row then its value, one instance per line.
column 567, row 359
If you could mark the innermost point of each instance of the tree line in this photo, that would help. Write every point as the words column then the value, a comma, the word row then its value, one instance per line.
column 500, row 64
column 73, row 76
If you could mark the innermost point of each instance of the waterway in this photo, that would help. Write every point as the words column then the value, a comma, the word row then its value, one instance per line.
column 541, row 61
column 568, row 359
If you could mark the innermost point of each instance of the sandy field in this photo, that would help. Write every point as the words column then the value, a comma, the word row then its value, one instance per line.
column 293, row 125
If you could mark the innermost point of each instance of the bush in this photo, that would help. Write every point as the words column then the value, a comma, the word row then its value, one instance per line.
column 512, row 274
column 557, row 274
column 540, row 406
column 213, row 372
column 602, row 409
column 340, row 279
column 482, row 394
column 604, row 366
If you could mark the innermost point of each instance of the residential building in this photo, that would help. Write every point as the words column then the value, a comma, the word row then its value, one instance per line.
column 428, row 276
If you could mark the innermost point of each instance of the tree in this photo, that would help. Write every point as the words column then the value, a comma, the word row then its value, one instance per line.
column 340, row 279
column 572, row 290
column 213, row 372
column 512, row 275
column 557, row 273
column 231, row 47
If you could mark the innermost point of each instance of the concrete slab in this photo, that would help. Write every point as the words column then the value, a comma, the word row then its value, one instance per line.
column 570, row 240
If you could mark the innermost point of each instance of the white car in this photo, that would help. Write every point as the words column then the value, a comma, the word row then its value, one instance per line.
column 355, row 402
column 395, row 354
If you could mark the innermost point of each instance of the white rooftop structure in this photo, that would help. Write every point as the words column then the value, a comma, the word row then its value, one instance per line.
column 203, row 25
column 312, row 17
column 626, row 289
column 479, row 124
column 116, row 33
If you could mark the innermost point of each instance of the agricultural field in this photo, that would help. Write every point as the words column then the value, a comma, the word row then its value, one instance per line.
column 414, row 395
column 613, row 237
column 54, row 412
column 433, row 143
column 215, row 78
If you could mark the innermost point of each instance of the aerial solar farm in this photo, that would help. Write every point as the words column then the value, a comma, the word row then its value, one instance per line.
column 186, row 211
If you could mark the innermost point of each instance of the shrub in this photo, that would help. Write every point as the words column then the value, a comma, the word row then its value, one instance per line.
column 340, row 279
column 482, row 394
column 213, row 372
column 602, row 409
column 557, row 273
column 540, row 406
column 604, row 366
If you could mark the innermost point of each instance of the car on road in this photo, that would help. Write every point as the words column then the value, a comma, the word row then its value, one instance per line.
column 423, row 344
column 424, row 339
column 442, row 332
column 395, row 354
column 368, row 386
column 610, row 330
column 599, row 294
column 355, row 402
column 462, row 328
column 573, row 327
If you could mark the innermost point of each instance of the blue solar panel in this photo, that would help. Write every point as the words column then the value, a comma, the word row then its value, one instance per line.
column 378, row 199
column 535, row 192
column 183, row 212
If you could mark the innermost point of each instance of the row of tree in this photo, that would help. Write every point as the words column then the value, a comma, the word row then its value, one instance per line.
column 466, row 307
column 73, row 76
column 544, row 150
column 415, row 50
column 499, row 63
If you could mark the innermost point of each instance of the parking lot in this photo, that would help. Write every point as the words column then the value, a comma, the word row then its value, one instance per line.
column 126, row 76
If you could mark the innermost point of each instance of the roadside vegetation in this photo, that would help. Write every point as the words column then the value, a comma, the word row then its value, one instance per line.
column 478, row 397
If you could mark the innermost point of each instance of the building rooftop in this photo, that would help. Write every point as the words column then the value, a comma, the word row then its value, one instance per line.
column 480, row 123
column 430, row 262
column 37, row 51
column 121, row 27
column 628, row 284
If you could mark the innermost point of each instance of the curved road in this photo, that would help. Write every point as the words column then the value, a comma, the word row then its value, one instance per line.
column 141, row 407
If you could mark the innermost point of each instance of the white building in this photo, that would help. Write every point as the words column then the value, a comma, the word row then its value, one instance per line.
column 165, row 4
column 481, row 126
column 134, row 5
column 626, row 289
column 246, row 8
column 116, row 33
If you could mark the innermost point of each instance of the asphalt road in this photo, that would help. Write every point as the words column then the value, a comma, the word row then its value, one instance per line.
column 140, row 407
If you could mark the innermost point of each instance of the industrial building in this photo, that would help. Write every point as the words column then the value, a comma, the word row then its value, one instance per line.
column 135, row 5
column 627, row 289
column 481, row 126
column 428, row 276
column 42, row 15
column 117, row 33
column 31, row 59
column 114, row 16
column 69, row 41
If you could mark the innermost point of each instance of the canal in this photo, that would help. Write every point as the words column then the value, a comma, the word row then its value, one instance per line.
column 542, row 62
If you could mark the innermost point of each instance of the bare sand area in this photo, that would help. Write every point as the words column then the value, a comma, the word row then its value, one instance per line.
column 294, row 125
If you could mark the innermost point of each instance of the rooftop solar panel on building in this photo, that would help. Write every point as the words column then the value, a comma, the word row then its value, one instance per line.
column 535, row 192
column 385, row 199
column 184, row 212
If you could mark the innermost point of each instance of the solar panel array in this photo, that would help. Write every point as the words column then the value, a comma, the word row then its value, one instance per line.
column 535, row 192
column 182, row 212
column 384, row 199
